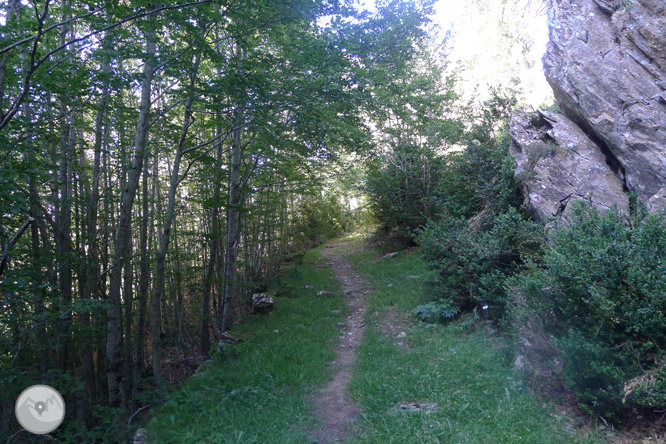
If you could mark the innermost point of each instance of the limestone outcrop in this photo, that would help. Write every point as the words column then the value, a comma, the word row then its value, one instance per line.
column 606, row 63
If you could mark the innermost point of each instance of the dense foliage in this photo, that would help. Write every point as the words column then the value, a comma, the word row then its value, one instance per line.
column 478, row 235
column 413, row 124
column 463, row 170
column 321, row 218
column 473, row 263
column 601, row 293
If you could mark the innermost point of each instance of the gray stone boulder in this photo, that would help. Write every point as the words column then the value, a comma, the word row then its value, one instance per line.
column 262, row 303
column 140, row 437
column 606, row 63
column 557, row 163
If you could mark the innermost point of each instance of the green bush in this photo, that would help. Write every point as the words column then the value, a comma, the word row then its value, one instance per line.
column 320, row 218
column 602, row 294
column 439, row 310
column 401, row 187
column 480, row 177
column 594, row 372
column 472, row 263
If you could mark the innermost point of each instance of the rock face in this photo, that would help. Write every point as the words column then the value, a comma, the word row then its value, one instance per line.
column 558, row 163
column 606, row 63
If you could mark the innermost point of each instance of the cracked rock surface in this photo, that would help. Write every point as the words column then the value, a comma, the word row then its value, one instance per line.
column 556, row 163
column 606, row 63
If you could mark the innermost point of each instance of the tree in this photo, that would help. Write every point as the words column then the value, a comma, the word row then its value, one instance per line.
column 411, row 110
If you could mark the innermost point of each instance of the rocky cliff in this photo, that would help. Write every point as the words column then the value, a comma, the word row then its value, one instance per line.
column 558, row 163
column 606, row 63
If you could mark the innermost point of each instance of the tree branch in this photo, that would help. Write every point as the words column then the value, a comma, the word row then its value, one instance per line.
column 12, row 242
column 98, row 31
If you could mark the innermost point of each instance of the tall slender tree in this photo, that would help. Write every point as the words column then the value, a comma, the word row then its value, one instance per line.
column 123, row 233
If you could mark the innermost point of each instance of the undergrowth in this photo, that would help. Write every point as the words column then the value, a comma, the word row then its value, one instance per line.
column 600, row 294
column 479, row 397
column 258, row 390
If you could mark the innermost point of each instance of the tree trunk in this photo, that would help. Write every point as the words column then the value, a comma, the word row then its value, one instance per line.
column 233, row 216
column 144, row 274
column 91, row 267
column 214, row 242
column 233, row 229
column 160, row 259
column 126, row 325
column 204, row 333
column 62, row 229
column 122, row 242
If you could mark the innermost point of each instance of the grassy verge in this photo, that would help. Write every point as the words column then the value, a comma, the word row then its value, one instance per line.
column 465, row 373
column 257, row 391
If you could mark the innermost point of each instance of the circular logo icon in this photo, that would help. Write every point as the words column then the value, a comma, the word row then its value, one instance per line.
column 40, row 409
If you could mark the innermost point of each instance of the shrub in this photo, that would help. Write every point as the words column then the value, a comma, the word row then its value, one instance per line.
column 320, row 218
column 439, row 310
column 603, row 297
column 401, row 185
column 472, row 263
column 480, row 177
column 593, row 371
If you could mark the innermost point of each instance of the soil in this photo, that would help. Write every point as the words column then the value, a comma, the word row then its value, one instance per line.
column 334, row 408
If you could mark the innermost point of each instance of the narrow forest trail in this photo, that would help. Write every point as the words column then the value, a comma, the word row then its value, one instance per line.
column 333, row 406
column 312, row 372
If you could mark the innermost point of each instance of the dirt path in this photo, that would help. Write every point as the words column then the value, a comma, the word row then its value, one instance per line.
column 333, row 405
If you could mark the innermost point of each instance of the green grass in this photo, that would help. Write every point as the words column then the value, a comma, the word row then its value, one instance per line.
column 480, row 398
column 258, row 391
